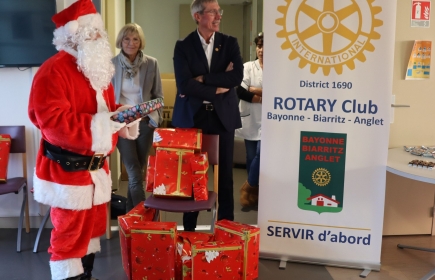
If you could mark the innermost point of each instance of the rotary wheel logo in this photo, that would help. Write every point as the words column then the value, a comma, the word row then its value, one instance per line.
column 321, row 177
column 328, row 33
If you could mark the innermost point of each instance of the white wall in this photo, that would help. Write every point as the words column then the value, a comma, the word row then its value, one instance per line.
column 14, row 94
column 115, row 20
column 159, row 20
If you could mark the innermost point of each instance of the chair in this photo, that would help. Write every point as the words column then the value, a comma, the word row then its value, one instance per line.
column 210, row 144
column 16, row 184
column 41, row 227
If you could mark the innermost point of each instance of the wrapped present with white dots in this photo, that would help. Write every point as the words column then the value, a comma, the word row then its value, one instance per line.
column 180, row 138
column 249, row 236
column 152, row 245
column 173, row 173
column 217, row 260
column 183, row 261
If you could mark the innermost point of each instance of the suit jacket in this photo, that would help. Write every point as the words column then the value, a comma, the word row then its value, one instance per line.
column 149, row 81
column 190, row 61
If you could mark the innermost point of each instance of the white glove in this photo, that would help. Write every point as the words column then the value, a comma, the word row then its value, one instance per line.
column 134, row 123
column 102, row 129
column 116, row 126
column 130, row 131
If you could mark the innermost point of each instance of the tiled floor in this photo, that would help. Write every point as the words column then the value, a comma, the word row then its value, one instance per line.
column 400, row 264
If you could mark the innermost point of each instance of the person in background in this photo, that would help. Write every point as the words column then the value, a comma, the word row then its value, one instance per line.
column 71, row 102
column 136, row 80
column 208, row 66
column 250, row 93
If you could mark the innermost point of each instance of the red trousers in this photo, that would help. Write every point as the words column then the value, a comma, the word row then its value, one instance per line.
column 73, row 230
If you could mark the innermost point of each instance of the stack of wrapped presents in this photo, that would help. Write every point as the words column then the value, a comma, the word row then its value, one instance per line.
column 155, row 250
column 179, row 168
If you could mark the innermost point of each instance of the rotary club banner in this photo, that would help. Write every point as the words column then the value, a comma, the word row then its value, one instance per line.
column 419, row 61
column 325, row 126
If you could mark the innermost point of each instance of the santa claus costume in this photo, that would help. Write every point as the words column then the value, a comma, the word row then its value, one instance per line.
column 71, row 102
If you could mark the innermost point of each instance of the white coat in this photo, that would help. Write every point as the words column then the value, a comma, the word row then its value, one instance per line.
column 250, row 113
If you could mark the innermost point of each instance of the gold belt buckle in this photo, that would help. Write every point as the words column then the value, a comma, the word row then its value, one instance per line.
column 100, row 156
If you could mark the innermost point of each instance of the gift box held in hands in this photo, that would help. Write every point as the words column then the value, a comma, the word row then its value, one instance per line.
column 180, row 138
column 137, row 111
column 5, row 147
column 249, row 237
column 217, row 260
column 173, row 174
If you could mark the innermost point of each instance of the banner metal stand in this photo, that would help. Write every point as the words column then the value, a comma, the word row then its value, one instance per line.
column 283, row 264
column 365, row 273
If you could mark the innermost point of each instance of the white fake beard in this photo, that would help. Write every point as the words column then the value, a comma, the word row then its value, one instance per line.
column 94, row 60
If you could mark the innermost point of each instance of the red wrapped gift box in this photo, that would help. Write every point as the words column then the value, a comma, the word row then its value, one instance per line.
column 179, row 138
column 149, row 185
column 145, row 214
column 249, row 236
column 199, row 164
column 173, row 174
column 138, row 111
column 183, row 263
column 125, row 222
column 217, row 260
column 5, row 147
column 153, row 250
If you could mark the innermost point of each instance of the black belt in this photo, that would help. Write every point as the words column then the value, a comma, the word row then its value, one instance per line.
column 71, row 161
column 208, row 106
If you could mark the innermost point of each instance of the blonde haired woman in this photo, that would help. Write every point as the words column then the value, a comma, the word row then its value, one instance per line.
column 136, row 80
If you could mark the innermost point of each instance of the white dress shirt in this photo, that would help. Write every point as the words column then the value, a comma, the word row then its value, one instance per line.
column 208, row 49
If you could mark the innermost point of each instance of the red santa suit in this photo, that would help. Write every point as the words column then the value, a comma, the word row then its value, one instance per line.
column 73, row 116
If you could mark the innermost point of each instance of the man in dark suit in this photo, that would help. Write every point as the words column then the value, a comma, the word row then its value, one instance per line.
column 208, row 66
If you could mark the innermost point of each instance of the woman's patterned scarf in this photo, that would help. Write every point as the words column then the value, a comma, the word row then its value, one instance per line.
column 131, row 68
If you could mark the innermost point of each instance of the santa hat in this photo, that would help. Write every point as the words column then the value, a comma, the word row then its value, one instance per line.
column 80, row 13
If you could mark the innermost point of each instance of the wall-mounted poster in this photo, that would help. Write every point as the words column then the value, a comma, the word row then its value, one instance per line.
column 419, row 61
column 420, row 15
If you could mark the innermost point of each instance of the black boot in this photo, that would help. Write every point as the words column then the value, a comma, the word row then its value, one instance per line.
column 88, row 265
column 78, row 277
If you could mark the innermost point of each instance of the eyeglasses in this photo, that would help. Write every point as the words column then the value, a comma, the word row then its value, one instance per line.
column 134, row 41
column 213, row 12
